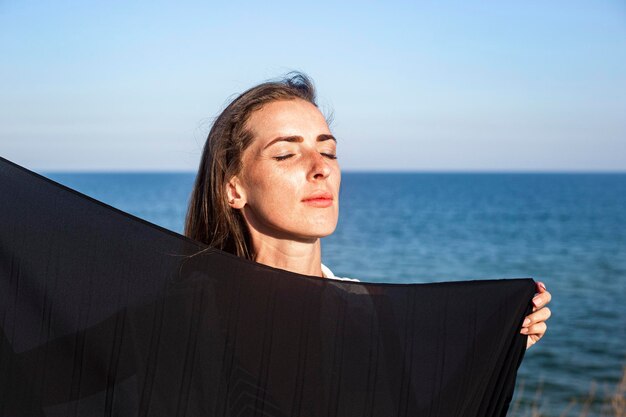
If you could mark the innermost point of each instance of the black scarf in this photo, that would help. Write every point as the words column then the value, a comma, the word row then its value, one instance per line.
column 105, row 314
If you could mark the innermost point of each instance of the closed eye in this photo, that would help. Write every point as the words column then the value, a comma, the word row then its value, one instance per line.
column 283, row 157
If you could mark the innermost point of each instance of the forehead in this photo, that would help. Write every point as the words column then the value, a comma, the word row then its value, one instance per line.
column 287, row 117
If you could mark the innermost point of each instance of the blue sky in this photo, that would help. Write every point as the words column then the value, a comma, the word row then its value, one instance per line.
column 424, row 86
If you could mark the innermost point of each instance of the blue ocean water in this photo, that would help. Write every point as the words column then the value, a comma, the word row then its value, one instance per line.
column 567, row 230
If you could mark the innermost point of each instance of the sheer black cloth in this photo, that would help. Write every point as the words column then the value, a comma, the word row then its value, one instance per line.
column 104, row 314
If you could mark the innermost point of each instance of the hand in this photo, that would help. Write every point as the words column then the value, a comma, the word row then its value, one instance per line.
column 535, row 324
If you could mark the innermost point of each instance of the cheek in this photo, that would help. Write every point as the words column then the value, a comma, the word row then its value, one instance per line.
column 335, row 178
column 274, row 200
column 272, row 188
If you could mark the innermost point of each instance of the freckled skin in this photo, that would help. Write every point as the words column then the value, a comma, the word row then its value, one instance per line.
column 270, row 191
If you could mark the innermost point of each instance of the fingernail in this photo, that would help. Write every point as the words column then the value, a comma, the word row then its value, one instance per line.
column 542, row 285
column 537, row 301
column 524, row 330
column 526, row 322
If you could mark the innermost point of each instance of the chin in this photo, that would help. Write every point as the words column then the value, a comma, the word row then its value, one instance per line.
column 323, row 231
column 312, row 231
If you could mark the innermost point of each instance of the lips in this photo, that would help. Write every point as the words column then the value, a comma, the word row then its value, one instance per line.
column 319, row 199
column 321, row 195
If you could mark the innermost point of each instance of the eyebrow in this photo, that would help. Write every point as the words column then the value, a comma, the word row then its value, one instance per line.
column 320, row 138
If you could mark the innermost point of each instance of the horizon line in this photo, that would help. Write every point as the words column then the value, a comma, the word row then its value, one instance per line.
column 349, row 171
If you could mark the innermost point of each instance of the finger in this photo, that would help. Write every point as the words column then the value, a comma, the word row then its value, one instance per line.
column 531, row 340
column 547, row 297
column 541, row 287
column 537, row 329
column 540, row 315
column 542, row 299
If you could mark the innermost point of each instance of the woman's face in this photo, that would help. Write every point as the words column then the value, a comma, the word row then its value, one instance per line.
column 289, row 184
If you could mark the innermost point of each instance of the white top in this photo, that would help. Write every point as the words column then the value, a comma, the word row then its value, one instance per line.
column 329, row 274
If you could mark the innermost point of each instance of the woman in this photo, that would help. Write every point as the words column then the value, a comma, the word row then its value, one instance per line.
column 267, row 187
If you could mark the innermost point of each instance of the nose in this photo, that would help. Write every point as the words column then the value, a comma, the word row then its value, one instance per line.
column 319, row 166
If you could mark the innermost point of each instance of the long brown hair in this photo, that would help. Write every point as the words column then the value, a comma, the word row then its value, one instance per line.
column 209, row 217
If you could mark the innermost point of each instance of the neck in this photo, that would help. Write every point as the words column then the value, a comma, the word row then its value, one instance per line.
column 295, row 256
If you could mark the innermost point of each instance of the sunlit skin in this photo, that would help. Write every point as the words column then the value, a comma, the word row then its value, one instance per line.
column 535, row 324
column 292, row 157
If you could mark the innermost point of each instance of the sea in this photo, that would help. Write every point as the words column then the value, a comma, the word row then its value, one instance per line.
column 567, row 230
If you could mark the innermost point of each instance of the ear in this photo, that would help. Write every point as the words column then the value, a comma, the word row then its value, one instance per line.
column 235, row 193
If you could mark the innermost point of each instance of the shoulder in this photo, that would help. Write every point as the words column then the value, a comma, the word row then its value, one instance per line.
column 329, row 274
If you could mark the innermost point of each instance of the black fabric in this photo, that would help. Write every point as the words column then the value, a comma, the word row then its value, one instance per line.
column 104, row 314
